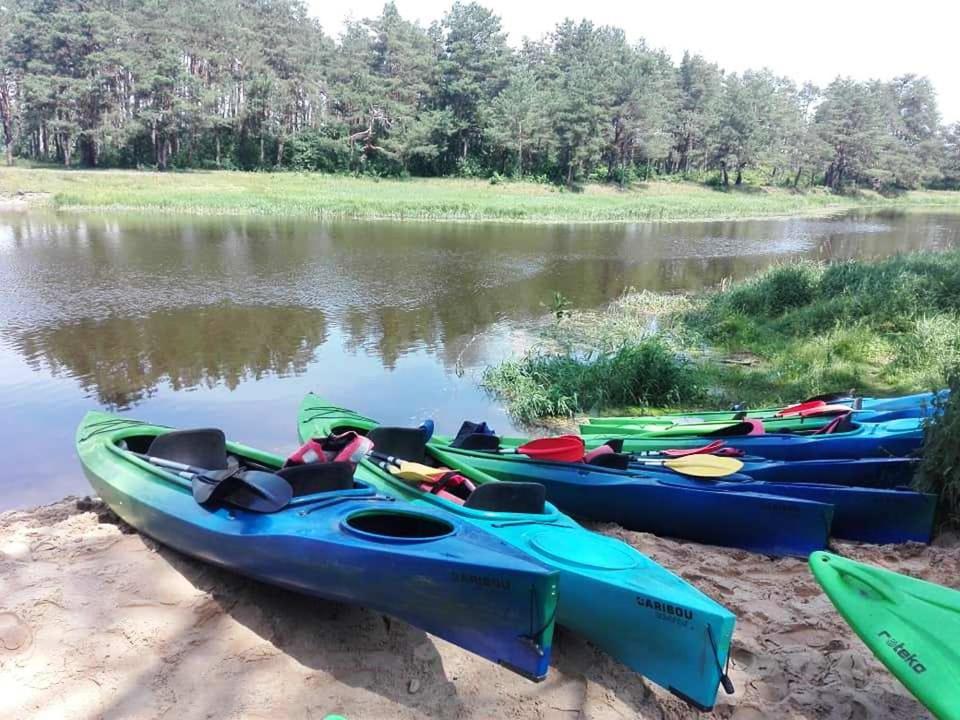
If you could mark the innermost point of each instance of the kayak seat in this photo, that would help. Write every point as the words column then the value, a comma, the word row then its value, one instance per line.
column 477, row 441
column 203, row 448
column 467, row 429
column 404, row 443
column 516, row 497
column 315, row 478
column 612, row 461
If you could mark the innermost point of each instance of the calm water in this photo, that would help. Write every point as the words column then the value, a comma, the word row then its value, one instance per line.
column 228, row 321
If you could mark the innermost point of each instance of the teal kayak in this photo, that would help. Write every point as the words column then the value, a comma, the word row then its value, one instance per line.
column 626, row 604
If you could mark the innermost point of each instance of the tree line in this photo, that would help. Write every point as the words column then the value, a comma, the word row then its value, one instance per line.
column 258, row 84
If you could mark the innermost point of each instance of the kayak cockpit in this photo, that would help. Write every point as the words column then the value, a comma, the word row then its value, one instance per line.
column 400, row 448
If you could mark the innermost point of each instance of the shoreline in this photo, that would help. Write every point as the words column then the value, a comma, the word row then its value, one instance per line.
column 447, row 200
column 98, row 620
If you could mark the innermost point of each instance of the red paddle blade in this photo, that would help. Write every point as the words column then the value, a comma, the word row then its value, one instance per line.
column 704, row 450
column 826, row 411
column 565, row 448
column 801, row 408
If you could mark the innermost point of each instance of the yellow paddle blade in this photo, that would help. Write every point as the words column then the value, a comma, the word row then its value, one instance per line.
column 417, row 472
column 709, row 466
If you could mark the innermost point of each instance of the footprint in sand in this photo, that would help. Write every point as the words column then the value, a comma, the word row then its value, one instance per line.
column 774, row 687
column 15, row 635
column 743, row 658
column 746, row 712
column 858, row 711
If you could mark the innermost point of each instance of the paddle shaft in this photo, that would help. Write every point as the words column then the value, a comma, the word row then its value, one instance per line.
column 172, row 465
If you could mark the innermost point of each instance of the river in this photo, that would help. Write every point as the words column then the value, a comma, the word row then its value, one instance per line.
column 227, row 322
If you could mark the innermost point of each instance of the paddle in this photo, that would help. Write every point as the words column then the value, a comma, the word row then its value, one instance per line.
column 255, row 490
column 800, row 408
column 564, row 448
column 707, row 449
column 705, row 466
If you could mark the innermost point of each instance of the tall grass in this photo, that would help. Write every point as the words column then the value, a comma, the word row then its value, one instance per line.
column 335, row 196
column 940, row 469
column 795, row 330
column 643, row 373
column 889, row 325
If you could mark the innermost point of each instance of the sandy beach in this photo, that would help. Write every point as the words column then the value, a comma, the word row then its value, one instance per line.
column 97, row 621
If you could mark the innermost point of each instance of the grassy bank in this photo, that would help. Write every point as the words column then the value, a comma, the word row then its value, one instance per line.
column 424, row 199
column 891, row 326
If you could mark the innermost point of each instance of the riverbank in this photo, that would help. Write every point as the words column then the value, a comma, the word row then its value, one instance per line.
column 886, row 327
column 98, row 621
column 446, row 199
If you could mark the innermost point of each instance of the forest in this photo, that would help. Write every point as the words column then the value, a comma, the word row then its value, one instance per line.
column 259, row 85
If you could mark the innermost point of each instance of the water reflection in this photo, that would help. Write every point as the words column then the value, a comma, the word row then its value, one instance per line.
column 229, row 320
column 121, row 360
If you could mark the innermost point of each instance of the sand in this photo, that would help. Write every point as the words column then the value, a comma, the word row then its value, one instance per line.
column 99, row 622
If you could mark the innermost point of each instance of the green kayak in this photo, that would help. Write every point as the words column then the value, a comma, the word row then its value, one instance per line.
column 912, row 626
column 694, row 425
column 626, row 604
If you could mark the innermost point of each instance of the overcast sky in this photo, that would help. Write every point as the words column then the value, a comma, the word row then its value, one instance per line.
column 813, row 40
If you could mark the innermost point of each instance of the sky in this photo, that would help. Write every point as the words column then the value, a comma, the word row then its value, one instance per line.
column 810, row 41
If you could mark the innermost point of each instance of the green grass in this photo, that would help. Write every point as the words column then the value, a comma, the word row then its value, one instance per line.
column 890, row 326
column 335, row 196
column 549, row 384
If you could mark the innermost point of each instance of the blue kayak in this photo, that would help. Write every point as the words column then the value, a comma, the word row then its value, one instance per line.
column 337, row 538
column 776, row 518
column 867, row 514
column 733, row 513
column 903, row 402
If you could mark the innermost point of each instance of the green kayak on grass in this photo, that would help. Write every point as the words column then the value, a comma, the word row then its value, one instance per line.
column 912, row 626
column 629, row 606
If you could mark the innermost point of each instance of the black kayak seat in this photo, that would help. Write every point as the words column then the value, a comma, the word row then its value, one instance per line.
column 613, row 461
column 203, row 448
column 318, row 477
column 404, row 443
column 206, row 448
column 516, row 497
column 478, row 441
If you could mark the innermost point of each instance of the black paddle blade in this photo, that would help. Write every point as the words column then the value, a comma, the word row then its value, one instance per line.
column 253, row 490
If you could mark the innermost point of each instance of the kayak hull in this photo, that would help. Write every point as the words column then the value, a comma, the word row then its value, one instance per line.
column 775, row 518
column 635, row 610
column 912, row 626
column 454, row 580
column 880, row 472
